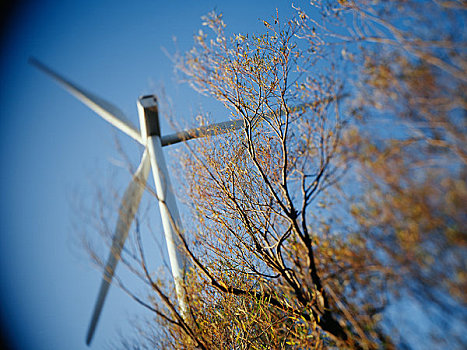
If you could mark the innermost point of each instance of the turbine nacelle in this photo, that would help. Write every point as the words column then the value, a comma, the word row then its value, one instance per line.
column 148, row 117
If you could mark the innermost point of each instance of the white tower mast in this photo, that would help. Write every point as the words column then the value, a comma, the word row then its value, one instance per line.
column 151, row 132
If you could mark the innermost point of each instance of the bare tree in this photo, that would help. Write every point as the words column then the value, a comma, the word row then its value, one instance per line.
column 255, row 246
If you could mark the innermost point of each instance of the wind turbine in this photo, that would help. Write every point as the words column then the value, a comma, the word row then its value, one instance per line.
column 150, row 137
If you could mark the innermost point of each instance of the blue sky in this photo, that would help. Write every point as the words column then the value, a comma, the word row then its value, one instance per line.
column 51, row 146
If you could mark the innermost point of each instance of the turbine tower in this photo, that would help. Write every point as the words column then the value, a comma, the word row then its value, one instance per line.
column 150, row 137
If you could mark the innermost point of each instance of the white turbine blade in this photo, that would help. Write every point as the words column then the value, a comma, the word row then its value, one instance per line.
column 127, row 212
column 213, row 129
column 103, row 108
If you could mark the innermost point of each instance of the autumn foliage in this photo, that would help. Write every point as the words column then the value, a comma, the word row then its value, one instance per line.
column 344, row 193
